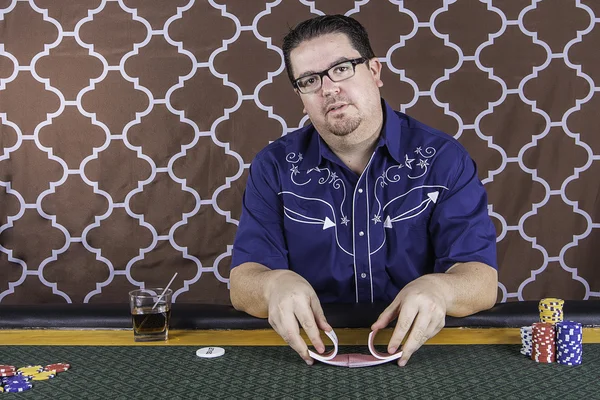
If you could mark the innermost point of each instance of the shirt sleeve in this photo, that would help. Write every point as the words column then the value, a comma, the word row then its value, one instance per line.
column 259, row 237
column 460, row 226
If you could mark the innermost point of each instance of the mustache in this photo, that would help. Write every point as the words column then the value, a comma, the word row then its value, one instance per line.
column 331, row 101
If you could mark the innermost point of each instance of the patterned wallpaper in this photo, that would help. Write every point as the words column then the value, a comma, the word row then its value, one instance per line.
column 127, row 129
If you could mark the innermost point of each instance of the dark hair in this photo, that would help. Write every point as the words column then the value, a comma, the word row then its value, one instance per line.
column 323, row 25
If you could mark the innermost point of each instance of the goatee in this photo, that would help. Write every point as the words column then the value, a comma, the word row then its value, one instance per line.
column 344, row 125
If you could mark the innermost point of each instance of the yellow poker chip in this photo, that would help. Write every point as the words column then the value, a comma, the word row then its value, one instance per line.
column 43, row 376
column 30, row 370
column 551, row 300
column 1, row 389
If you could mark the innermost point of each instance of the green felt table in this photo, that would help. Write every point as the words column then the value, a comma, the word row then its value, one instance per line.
column 255, row 372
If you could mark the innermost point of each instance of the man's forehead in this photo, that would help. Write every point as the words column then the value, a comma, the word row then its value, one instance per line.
column 319, row 53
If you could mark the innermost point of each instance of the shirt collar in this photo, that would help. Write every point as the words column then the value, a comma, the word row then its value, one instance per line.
column 391, row 131
column 317, row 149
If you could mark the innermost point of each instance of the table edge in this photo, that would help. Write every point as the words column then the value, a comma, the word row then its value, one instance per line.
column 253, row 337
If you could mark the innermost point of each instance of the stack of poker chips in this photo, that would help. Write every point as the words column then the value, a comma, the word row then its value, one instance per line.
column 543, row 350
column 19, row 380
column 526, row 340
column 551, row 310
column 553, row 339
column 569, row 339
column 13, row 380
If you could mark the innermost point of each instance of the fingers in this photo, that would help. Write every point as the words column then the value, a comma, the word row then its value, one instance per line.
column 287, row 328
column 424, row 327
column 319, row 315
column 307, row 321
column 419, row 334
column 387, row 316
column 406, row 316
column 286, row 319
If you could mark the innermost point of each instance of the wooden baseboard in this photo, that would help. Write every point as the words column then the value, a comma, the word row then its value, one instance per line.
column 259, row 337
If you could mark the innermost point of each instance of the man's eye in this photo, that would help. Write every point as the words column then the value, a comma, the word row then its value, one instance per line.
column 307, row 82
column 341, row 69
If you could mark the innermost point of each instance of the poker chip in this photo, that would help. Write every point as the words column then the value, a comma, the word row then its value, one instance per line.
column 210, row 352
column 15, row 379
column 58, row 367
column 7, row 368
column 526, row 340
column 7, row 373
column 543, row 348
column 569, row 343
column 30, row 370
column 551, row 310
column 43, row 376
column 17, row 387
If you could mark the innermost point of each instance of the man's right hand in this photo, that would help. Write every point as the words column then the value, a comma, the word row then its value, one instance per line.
column 293, row 300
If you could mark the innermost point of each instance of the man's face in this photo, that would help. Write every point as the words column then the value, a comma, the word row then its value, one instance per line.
column 339, row 108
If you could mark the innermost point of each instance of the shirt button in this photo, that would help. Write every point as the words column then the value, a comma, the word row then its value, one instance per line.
column 361, row 233
column 360, row 190
column 363, row 275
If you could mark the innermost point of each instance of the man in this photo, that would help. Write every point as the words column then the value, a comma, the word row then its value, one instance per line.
column 364, row 205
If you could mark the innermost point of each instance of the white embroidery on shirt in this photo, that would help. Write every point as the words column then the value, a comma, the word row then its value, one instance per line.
column 391, row 175
column 293, row 159
column 336, row 182
column 432, row 196
column 331, row 178
column 423, row 163
column 305, row 219
column 408, row 161
column 388, row 177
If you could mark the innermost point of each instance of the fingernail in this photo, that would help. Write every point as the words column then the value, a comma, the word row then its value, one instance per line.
column 402, row 363
column 308, row 362
column 392, row 350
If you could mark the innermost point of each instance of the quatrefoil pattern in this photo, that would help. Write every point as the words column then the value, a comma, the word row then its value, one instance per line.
column 127, row 129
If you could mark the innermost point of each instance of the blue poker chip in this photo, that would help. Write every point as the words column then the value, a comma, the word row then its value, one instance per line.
column 8, row 380
column 570, row 363
column 17, row 387
column 569, row 327
column 570, row 351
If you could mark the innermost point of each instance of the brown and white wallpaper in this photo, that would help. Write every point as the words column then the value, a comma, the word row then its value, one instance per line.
column 127, row 129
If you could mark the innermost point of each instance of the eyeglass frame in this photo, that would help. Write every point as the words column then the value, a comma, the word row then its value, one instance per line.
column 354, row 62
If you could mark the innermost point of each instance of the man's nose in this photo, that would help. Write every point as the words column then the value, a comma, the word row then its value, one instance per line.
column 328, row 86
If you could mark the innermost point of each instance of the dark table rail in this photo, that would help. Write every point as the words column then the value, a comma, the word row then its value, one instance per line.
column 203, row 316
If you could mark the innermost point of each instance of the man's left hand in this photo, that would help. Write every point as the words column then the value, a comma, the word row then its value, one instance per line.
column 419, row 305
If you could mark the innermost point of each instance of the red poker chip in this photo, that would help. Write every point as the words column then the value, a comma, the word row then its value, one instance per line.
column 7, row 368
column 58, row 367
column 7, row 373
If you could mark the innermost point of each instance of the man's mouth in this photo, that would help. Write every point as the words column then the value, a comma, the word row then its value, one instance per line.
column 336, row 107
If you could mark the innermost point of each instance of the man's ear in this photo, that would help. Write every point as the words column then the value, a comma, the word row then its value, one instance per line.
column 375, row 69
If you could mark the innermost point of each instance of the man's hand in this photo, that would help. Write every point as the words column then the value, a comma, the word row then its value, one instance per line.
column 419, row 305
column 293, row 300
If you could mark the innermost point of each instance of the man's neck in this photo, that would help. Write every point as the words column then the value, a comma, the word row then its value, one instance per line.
column 355, row 156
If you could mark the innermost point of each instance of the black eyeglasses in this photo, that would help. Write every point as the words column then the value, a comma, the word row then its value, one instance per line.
column 339, row 72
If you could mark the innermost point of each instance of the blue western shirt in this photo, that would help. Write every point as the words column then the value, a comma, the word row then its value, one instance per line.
column 417, row 208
